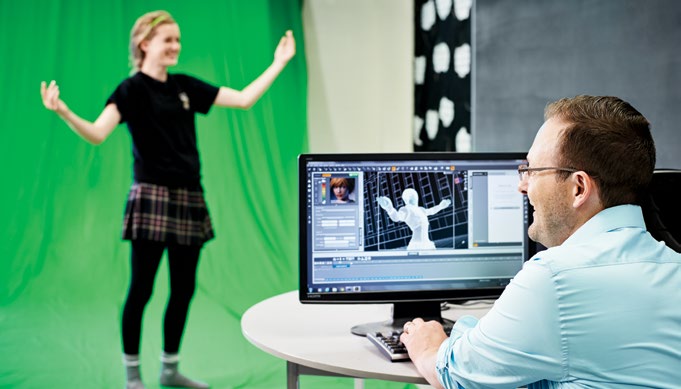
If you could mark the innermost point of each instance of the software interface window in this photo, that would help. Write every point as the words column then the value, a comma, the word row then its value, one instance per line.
column 413, row 224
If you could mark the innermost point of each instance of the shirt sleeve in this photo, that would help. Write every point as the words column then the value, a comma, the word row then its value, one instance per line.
column 517, row 343
column 201, row 94
column 121, row 97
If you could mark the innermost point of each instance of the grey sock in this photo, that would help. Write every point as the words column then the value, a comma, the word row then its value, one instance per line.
column 170, row 376
column 132, row 372
column 134, row 385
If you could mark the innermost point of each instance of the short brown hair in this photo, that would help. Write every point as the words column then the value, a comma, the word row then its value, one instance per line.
column 348, row 182
column 611, row 141
column 145, row 28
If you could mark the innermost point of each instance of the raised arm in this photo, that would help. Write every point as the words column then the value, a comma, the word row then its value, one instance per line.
column 387, row 205
column 443, row 204
column 228, row 97
column 94, row 133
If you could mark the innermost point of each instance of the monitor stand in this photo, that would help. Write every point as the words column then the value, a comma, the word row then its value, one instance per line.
column 402, row 313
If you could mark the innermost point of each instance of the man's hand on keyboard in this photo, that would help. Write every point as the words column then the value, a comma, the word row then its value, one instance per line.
column 423, row 339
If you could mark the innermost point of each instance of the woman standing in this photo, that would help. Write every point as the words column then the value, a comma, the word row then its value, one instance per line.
column 166, row 209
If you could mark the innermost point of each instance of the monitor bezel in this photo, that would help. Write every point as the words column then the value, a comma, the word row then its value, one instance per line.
column 450, row 295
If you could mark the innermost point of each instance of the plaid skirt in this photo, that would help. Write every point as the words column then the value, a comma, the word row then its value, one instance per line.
column 163, row 214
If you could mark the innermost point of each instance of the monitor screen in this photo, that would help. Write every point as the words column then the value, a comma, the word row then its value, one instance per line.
column 410, row 228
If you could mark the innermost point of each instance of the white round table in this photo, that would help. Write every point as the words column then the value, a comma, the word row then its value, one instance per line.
column 315, row 338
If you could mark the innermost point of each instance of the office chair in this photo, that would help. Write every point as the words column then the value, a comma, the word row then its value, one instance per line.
column 662, row 208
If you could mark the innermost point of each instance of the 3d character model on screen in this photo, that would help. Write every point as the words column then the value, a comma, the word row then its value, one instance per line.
column 416, row 217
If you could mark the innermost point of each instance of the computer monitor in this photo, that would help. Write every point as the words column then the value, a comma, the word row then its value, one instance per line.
column 412, row 229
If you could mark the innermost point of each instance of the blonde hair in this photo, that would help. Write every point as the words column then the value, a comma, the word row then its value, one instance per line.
column 145, row 28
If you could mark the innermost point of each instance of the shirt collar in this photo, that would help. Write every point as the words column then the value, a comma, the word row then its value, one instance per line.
column 609, row 219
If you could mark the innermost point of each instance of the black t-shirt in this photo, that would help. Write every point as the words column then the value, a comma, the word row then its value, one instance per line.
column 161, row 120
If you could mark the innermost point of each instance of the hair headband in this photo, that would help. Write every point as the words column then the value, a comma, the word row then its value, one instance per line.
column 157, row 20
column 153, row 24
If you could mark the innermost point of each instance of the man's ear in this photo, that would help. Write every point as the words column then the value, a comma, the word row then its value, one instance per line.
column 584, row 189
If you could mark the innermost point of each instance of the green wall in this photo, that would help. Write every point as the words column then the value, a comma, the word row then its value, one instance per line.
column 63, row 266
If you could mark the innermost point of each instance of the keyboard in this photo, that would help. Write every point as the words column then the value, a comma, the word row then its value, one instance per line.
column 390, row 346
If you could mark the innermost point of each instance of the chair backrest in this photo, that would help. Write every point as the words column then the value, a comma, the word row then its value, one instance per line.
column 662, row 208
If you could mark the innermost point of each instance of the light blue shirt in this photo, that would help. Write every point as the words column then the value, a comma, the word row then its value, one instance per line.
column 602, row 310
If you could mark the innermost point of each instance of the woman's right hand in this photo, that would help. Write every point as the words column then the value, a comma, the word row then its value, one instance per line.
column 50, row 95
column 94, row 133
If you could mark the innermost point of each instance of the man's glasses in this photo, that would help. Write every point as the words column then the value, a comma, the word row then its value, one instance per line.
column 525, row 171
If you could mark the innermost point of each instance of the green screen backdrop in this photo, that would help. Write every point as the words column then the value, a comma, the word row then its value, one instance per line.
column 63, row 267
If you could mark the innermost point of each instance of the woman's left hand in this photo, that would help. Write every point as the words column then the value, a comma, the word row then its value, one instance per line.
column 286, row 48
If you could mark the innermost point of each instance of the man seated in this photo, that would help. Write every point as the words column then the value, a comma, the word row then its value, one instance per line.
column 600, row 307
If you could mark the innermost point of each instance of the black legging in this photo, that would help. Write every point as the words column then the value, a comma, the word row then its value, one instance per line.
column 144, row 260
